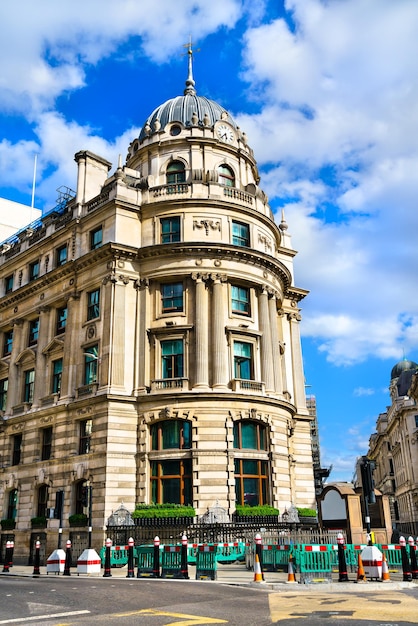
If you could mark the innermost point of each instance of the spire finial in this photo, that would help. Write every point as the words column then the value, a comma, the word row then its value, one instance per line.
column 190, row 82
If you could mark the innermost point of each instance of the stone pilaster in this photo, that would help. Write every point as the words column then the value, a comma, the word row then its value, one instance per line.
column 220, row 354
column 267, row 372
column 201, row 333
column 275, row 343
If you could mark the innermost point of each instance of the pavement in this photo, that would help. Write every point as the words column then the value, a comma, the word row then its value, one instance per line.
column 238, row 574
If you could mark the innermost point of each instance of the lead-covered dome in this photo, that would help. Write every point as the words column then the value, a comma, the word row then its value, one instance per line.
column 403, row 366
column 187, row 110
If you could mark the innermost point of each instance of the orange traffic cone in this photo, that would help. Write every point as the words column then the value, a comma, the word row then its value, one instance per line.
column 385, row 571
column 361, row 576
column 290, row 573
column 258, row 576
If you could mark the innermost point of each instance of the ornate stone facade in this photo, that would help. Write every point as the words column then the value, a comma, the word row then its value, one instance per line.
column 150, row 341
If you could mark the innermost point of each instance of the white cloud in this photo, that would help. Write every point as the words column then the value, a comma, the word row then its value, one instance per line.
column 339, row 92
column 363, row 391
column 47, row 44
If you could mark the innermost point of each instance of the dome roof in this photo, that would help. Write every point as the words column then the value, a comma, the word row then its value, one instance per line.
column 188, row 109
column 402, row 366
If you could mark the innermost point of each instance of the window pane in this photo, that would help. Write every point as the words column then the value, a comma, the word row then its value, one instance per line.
column 8, row 342
column 46, row 443
column 61, row 320
column 96, row 238
column 226, row 176
column 172, row 297
column 249, row 435
column 240, row 300
column 170, row 229
column 12, row 504
column 240, row 234
column 90, row 364
column 93, row 304
column 4, row 385
column 176, row 173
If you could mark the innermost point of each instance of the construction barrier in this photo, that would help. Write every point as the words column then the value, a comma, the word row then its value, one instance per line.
column 118, row 556
column 206, row 562
column 145, row 562
column 225, row 552
column 171, row 563
column 393, row 555
column 315, row 564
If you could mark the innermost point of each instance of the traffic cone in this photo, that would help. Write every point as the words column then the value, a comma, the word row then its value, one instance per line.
column 290, row 573
column 361, row 576
column 258, row 576
column 385, row 571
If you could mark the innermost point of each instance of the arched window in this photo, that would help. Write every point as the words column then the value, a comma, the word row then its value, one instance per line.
column 176, row 173
column 171, row 434
column 252, row 475
column 171, row 477
column 226, row 176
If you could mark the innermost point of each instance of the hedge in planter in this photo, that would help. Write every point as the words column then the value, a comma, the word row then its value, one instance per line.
column 38, row 522
column 160, row 514
column 7, row 524
column 262, row 513
column 78, row 519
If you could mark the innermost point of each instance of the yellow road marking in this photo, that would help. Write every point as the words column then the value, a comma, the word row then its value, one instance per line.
column 378, row 606
column 187, row 620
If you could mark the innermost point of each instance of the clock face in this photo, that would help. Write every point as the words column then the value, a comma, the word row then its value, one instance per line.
column 225, row 133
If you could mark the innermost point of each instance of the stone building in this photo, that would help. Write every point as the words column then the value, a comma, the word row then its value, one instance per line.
column 394, row 448
column 149, row 338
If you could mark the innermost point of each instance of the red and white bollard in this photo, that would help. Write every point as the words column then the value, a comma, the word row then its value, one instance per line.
column 107, row 568
column 259, row 554
column 68, row 559
column 406, row 566
column 413, row 558
column 156, row 562
column 6, row 557
column 184, row 564
column 342, row 563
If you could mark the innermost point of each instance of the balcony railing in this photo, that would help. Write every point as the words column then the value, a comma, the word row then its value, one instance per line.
column 181, row 384
column 252, row 386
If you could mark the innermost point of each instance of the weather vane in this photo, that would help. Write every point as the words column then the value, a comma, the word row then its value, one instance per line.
column 190, row 83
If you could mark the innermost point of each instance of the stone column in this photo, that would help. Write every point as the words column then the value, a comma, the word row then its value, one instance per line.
column 299, row 398
column 42, row 387
column 15, row 389
column 201, row 328
column 267, row 373
column 220, row 348
column 275, row 343
column 71, row 347
column 142, row 349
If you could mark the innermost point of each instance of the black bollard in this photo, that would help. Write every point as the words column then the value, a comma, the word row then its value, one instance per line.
column 184, row 564
column 130, row 573
column 406, row 567
column 156, row 562
column 259, row 552
column 37, row 559
column 107, row 569
column 68, row 559
column 413, row 558
column 6, row 557
column 342, row 563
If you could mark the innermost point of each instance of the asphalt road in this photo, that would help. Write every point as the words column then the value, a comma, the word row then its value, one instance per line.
column 77, row 601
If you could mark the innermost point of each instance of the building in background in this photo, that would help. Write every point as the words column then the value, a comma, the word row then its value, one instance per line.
column 394, row 448
column 320, row 473
column 149, row 337
column 15, row 216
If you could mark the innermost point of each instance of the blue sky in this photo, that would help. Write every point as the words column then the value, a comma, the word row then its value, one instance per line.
column 327, row 93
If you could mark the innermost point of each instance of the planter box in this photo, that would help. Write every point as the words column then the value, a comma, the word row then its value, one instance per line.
column 260, row 520
column 8, row 525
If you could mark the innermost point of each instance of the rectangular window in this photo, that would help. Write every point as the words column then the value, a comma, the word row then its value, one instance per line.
column 240, row 234
column 34, row 270
column 16, row 449
column 12, row 504
column 46, row 443
column 33, row 331
column 172, row 297
column 61, row 320
column 172, row 358
column 56, row 375
column 170, row 229
column 96, row 238
column 4, row 385
column 171, row 481
column 8, row 342
column 85, row 436
column 8, row 284
column 61, row 255
column 416, row 421
column 29, row 386
column 240, row 297
column 93, row 304
column 42, row 500
column 91, row 361
column 243, row 360
column 251, row 482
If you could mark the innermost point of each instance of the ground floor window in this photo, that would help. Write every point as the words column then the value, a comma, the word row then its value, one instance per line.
column 12, row 504
column 171, row 481
column 251, row 481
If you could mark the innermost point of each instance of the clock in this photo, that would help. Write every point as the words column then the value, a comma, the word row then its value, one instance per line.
column 225, row 133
